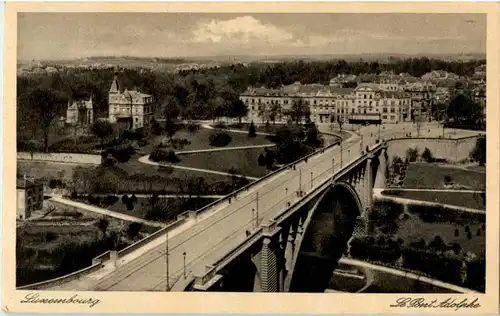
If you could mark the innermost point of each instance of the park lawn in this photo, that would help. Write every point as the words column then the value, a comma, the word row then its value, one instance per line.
column 431, row 176
column 48, row 170
column 200, row 140
column 244, row 162
column 413, row 229
column 384, row 282
column 464, row 199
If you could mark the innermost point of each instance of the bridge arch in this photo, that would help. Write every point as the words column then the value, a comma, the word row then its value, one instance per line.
column 327, row 230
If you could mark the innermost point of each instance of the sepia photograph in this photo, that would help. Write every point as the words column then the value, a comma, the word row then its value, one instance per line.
column 296, row 152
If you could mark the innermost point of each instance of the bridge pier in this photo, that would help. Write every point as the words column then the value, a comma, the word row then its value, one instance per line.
column 272, row 258
column 380, row 178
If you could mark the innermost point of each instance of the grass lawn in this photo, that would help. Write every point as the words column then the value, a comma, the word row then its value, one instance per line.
column 41, row 169
column 389, row 283
column 199, row 140
column 414, row 228
column 259, row 128
column 471, row 200
column 431, row 176
column 243, row 161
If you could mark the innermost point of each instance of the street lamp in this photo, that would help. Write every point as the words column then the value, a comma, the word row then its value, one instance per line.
column 300, row 182
column 311, row 179
column 333, row 165
column 257, row 208
column 184, row 254
column 253, row 218
column 167, row 285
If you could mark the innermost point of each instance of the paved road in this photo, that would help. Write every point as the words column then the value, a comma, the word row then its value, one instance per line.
column 105, row 212
column 215, row 235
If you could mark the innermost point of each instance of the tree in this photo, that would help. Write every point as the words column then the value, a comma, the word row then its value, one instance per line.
column 133, row 229
column 102, row 129
column 463, row 111
column 102, row 224
column 427, row 155
column 251, row 130
column 45, row 104
column 479, row 152
column 237, row 109
column 298, row 111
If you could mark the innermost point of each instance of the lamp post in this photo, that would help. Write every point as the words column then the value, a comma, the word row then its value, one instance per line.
column 300, row 182
column 311, row 179
column 257, row 208
column 184, row 254
column 333, row 165
column 167, row 285
column 253, row 218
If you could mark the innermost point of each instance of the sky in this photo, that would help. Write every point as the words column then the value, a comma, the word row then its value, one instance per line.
column 76, row 35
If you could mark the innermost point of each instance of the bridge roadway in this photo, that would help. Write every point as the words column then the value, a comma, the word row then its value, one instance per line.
column 214, row 236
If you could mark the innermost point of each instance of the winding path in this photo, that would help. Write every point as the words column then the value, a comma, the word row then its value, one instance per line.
column 195, row 151
column 377, row 194
column 105, row 212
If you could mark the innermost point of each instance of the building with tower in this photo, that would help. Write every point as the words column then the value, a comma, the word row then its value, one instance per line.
column 130, row 109
column 80, row 112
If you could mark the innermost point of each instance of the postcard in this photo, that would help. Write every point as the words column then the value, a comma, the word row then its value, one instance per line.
column 318, row 158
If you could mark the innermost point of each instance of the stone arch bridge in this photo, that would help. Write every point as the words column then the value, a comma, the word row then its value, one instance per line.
column 298, row 250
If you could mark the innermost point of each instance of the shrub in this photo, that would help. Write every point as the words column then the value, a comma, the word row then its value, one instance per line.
column 136, row 134
column 122, row 153
column 251, row 130
column 133, row 198
column 160, row 155
column 427, row 155
column 261, row 160
column 133, row 229
column 110, row 200
column 102, row 224
column 125, row 199
column 192, row 127
column 219, row 139
column 130, row 206
column 447, row 180
column 52, row 183
column 412, row 154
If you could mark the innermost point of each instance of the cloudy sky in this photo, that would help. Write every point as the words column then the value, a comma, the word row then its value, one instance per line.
column 73, row 35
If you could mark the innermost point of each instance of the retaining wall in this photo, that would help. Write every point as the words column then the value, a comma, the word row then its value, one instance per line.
column 61, row 157
column 453, row 150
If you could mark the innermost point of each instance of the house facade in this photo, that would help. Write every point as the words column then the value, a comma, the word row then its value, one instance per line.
column 130, row 109
column 29, row 197
column 80, row 112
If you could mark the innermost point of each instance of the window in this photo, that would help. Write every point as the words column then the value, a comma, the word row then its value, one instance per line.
column 393, row 110
column 384, row 110
column 384, row 117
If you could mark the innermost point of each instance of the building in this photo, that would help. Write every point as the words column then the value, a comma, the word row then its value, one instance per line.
column 130, row 109
column 423, row 96
column 374, row 105
column 80, row 112
column 327, row 104
column 29, row 197
column 437, row 75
